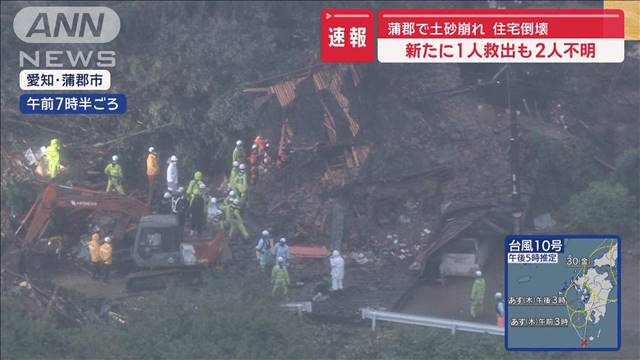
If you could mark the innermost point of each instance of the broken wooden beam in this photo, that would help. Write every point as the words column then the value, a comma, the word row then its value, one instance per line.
column 604, row 163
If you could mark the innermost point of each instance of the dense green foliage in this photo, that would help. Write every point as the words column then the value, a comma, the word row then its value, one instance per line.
column 604, row 208
column 25, row 338
column 569, row 180
column 228, row 318
column 563, row 167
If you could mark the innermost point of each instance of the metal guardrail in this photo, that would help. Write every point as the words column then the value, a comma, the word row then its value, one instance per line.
column 453, row 325
column 299, row 307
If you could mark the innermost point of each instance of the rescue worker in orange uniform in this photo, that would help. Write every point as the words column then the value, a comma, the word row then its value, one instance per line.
column 105, row 258
column 94, row 252
column 260, row 143
column 152, row 172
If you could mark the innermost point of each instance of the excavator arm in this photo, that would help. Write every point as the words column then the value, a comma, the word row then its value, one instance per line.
column 53, row 197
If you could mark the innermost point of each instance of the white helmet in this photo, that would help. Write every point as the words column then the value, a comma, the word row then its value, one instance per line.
column 267, row 145
column 236, row 201
column 241, row 167
column 280, row 259
column 478, row 273
column 114, row 158
column 283, row 240
column 336, row 253
column 166, row 195
column 254, row 146
column 498, row 295
column 173, row 158
column 107, row 239
column 202, row 186
column 265, row 233
column 239, row 142
column 232, row 193
column 213, row 200
column 180, row 190
column 152, row 149
column 235, row 164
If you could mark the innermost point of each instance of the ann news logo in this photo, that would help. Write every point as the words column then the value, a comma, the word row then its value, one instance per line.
column 66, row 24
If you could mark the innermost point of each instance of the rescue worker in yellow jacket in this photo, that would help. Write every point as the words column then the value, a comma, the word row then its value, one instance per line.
column 114, row 173
column 476, row 299
column 279, row 279
column 52, row 154
column 94, row 252
column 197, row 209
column 238, row 152
column 105, row 257
column 233, row 174
column 194, row 185
column 152, row 172
column 235, row 220
column 226, row 208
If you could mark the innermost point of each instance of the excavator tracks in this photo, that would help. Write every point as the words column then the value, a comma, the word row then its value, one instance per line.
column 162, row 279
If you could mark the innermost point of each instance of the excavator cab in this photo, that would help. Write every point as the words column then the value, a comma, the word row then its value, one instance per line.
column 159, row 243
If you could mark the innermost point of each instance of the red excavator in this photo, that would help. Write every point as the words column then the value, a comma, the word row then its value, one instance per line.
column 160, row 244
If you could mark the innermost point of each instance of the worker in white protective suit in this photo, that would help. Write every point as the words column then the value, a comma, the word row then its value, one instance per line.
column 213, row 211
column 172, row 174
column 337, row 270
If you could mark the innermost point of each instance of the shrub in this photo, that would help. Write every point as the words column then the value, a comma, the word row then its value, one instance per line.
column 25, row 338
column 563, row 168
column 604, row 208
column 627, row 171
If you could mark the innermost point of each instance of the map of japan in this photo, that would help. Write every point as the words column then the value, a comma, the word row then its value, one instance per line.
column 565, row 301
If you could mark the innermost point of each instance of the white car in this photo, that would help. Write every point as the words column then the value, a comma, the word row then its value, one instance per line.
column 463, row 257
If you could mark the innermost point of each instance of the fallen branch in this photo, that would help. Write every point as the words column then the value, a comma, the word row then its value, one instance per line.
column 48, row 310
column 604, row 163
column 306, row 71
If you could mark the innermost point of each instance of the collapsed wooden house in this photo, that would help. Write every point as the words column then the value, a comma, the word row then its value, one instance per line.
column 338, row 183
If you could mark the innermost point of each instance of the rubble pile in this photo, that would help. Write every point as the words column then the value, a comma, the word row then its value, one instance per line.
column 383, row 189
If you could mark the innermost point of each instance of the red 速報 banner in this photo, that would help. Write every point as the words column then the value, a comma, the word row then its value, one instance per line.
column 347, row 35
column 500, row 35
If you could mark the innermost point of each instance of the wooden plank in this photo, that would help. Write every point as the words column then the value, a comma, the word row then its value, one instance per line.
column 260, row 89
column 309, row 251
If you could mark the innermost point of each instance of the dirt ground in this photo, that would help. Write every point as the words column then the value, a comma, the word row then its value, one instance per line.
column 95, row 289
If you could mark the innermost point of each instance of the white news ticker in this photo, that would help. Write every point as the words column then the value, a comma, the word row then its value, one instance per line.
column 96, row 80
column 606, row 50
